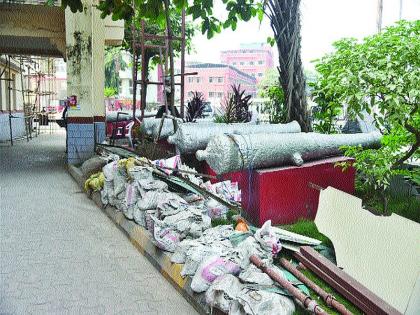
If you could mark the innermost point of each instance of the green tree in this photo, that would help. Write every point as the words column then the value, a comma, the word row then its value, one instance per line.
column 284, row 16
column 269, row 87
column 114, row 62
column 381, row 76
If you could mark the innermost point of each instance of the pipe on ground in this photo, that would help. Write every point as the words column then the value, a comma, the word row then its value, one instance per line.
column 306, row 300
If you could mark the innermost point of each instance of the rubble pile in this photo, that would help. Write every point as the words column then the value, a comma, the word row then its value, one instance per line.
column 215, row 257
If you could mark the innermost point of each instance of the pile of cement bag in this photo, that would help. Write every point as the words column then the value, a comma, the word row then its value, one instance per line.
column 216, row 258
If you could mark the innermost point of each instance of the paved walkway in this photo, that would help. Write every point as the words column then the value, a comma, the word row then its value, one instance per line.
column 59, row 253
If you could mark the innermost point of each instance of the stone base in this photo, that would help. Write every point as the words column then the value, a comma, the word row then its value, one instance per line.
column 18, row 125
column 81, row 140
column 286, row 194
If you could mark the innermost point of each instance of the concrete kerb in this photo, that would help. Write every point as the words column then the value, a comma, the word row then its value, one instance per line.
column 143, row 241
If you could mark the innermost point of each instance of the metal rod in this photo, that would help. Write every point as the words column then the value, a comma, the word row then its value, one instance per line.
column 10, row 101
column 23, row 99
column 306, row 300
column 328, row 298
column 154, row 82
column 185, row 74
column 333, row 283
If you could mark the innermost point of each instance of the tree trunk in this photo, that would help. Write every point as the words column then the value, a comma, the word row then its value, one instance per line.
column 284, row 18
column 143, row 92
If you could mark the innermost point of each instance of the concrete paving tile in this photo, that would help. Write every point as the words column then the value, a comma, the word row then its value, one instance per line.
column 59, row 254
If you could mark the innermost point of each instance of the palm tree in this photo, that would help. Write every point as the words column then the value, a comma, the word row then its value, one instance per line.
column 284, row 18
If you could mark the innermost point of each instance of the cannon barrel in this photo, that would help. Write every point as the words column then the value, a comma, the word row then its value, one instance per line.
column 227, row 153
column 191, row 137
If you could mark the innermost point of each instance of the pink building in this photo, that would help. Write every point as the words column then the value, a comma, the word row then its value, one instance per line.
column 215, row 81
column 253, row 59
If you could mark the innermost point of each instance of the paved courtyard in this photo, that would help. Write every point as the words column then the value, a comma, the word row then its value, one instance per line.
column 59, row 254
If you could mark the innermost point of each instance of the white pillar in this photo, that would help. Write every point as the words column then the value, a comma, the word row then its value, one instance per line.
column 85, row 40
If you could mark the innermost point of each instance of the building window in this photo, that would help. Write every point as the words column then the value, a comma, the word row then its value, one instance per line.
column 260, row 62
column 234, row 63
column 198, row 79
column 212, row 94
column 219, row 94
column 251, row 63
column 210, row 79
column 220, row 80
column 253, row 74
column 242, row 63
column 260, row 74
column 120, row 87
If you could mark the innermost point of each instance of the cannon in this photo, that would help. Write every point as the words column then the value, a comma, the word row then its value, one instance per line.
column 232, row 152
column 191, row 137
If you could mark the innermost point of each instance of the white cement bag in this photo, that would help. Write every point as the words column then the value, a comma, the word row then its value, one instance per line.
column 223, row 292
column 254, row 275
column 110, row 170
column 139, row 216
column 262, row 303
column 210, row 269
column 268, row 239
column 165, row 237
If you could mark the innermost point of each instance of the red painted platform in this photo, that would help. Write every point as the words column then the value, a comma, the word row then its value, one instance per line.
column 286, row 194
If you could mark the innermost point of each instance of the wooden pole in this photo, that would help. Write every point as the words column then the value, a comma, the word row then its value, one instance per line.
column 379, row 16
column 182, row 63
column 143, row 72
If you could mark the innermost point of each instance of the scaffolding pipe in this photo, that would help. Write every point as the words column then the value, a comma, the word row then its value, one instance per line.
column 306, row 300
column 328, row 298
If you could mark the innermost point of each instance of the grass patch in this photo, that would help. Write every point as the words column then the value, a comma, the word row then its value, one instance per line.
column 311, row 276
column 308, row 228
column 407, row 206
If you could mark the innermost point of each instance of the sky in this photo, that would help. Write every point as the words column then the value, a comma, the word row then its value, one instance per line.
column 323, row 22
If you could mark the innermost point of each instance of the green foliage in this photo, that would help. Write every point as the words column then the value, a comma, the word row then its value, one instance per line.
column 114, row 62
column 110, row 91
column 153, row 11
column 269, row 87
column 308, row 228
column 159, row 29
column 235, row 108
column 195, row 107
column 381, row 76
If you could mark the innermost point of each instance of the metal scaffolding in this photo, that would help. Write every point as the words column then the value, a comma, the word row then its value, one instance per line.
column 31, row 96
column 166, row 80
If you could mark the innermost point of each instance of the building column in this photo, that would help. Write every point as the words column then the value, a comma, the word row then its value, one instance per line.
column 85, row 43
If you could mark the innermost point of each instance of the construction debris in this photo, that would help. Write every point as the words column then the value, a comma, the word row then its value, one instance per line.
column 179, row 210
column 347, row 286
column 307, row 301
column 328, row 298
